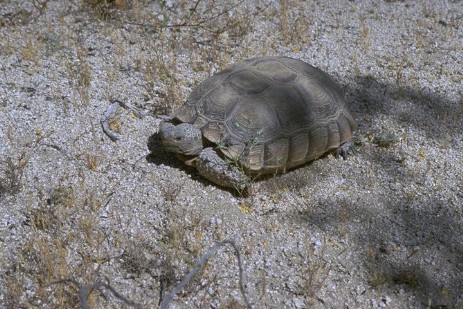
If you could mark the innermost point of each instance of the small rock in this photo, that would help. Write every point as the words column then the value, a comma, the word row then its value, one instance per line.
column 386, row 300
column 317, row 244
column 298, row 303
column 359, row 289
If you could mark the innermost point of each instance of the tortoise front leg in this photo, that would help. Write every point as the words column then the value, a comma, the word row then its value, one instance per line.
column 211, row 166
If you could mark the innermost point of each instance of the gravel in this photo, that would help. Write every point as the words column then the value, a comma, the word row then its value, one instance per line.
column 382, row 229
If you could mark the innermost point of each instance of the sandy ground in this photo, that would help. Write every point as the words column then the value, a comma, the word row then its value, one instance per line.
column 381, row 229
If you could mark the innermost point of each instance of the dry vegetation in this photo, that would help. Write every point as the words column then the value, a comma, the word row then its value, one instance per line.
column 67, row 251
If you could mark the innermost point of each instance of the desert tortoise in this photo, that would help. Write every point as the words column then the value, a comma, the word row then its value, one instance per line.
column 261, row 116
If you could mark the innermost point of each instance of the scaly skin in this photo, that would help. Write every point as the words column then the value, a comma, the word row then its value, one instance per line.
column 211, row 166
column 186, row 141
column 182, row 139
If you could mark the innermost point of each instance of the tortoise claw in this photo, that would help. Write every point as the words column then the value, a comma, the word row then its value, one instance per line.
column 345, row 150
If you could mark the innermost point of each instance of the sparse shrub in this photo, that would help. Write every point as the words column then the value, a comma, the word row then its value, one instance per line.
column 386, row 139
column 105, row 9
column 11, row 174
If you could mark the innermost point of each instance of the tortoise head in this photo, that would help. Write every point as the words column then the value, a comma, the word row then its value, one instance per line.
column 182, row 139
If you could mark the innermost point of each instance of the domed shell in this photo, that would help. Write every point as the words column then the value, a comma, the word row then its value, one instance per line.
column 270, row 114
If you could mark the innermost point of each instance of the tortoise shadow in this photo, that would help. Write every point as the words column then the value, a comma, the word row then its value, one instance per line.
column 440, row 117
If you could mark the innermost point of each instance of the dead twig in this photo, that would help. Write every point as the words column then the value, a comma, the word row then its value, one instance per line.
column 111, row 113
column 203, row 260
column 86, row 290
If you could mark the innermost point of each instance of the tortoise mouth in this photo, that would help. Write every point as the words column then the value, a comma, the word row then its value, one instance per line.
column 179, row 147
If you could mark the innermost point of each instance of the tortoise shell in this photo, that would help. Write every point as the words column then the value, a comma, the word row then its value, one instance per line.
column 269, row 114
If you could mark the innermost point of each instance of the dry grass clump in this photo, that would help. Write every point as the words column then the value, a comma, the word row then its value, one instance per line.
column 106, row 9
column 11, row 174
column 67, row 254
column 293, row 24
column 67, row 247
column 177, row 34
column 65, row 242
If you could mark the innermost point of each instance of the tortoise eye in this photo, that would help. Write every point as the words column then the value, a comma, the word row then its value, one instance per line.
column 178, row 138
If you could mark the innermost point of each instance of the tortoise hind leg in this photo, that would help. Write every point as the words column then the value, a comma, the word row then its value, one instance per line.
column 345, row 150
column 211, row 166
